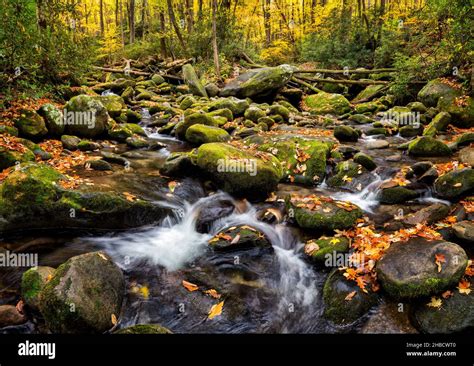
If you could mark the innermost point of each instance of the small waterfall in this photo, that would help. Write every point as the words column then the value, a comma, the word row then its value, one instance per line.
column 107, row 92
column 366, row 199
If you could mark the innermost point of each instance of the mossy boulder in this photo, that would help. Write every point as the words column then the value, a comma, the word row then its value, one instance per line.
column 303, row 160
column 178, row 164
column 377, row 131
column 239, row 172
column 9, row 157
column 409, row 269
column 114, row 104
column 239, row 238
column 396, row 195
column 192, row 80
column 346, row 174
column 31, row 197
column 10, row 130
column 187, row 102
column 439, row 123
column 280, row 110
column 340, row 310
column 70, row 142
column 32, row 282
column 365, row 160
column 83, row 294
column 144, row 329
column 325, row 249
column 435, row 89
column 464, row 230
column 86, row 145
column 137, row 142
column 254, row 113
column 360, row 119
column 157, row 79
column 346, row 134
column 428, row 146
column 367, row 107
column 368, row 93
column 323, row 215
column 327, row 103
column 201, row 134
column 135, row 128
column 133, row 116
column 120, row 133
column 455, row 184
column 258, row 82
column 417, row 107
column 53, row 118
column 86, row 117
column 31, row 125
column 410, row 131
column 460, row 108
column 194, row 119
column 224, row 112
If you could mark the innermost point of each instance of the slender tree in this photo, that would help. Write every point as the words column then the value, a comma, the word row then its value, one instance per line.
column 214, row 40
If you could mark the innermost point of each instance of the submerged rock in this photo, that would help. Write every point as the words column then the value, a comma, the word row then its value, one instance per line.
column 83, row 295
column 409, row 269
column 338, row 308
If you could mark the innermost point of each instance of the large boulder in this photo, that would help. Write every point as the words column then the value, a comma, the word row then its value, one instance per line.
column 409, row 269
column 368, row 93
column 10, row 157
column 32, row 282
column 114, row 104
column 194, row 119
column 53, row 118
column 304, row 160
column 316, row 213
column 344, row 301
column 464, row 230
column 85, row 117
column 428, row 146
column 83, row 295
column 239, row 172
column 439, row 123
column 326, row 103
column 456, row 314
column 31, row 125
column 31, row 197
column 455, row 184
column 201, row 134
column 258, row 82
column 346, row 134
column 192, row 80
column 461, row 108
column 435, row 89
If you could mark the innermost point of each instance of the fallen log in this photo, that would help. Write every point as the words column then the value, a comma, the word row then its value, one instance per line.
column 344, row 72
column 304, row 83
column 352, row 82
column 121, row 71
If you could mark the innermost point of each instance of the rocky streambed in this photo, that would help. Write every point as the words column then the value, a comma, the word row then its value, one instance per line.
column 250, row 208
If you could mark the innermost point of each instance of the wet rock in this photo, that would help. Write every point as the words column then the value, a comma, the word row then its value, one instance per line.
column 455, row 184
column 465, row 139
column 212, row 90
column 417, row 107
column 326, row 248
column 32, row 282
column 120, row 133
column 410, row 131
column 31, row 125
column 199, row 134
column 70, row 142
column 433, row 90
column 408, row 269
column 239, row 172
column 192, row 80
column 193, row 119
column 456, row 314
column 258, row 82
column 326, row 103
column 367, row 107
column 430, row 214
column 93, row 284
column 224, row 112
column 177, row 165
column 53, row 118
column 136, row 142
column 428, row 146
column 157, row 79
column 100, row 165
column 360, row 119
column 419, row 168
column 337, row 308
column 144, row 329
column 346, row 134
column 464, row 230
column 349, row 174
column 365, row 160
column 290, row 151
column 429, row 177
column 376, row 131
column 439, row 123
column 368, row 93
column 212, row 210
column 114, row 158
column 394, row 158
column 9, row 315
column 377, row 144
column 86, row 145
column 324, row 216
column 238, row 238
column 396, row 195
column 86, row 117
column 387, row 319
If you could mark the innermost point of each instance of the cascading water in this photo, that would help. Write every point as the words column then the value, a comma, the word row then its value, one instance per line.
column 366, row 199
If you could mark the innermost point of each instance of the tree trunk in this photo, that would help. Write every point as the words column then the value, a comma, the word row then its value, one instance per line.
column 102, row 18
column 266, row 4
column 190, row 15
column 164, row 52
column 132, row 21
column 175, row 26
column 214, row 40
column 199, row 10
column 144, row 6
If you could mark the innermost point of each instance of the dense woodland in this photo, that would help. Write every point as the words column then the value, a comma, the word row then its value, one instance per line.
column 236, row 166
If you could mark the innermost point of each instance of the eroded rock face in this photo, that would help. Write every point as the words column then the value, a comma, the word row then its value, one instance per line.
column 409, row 269
column 259, row 82
column 83, row 295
